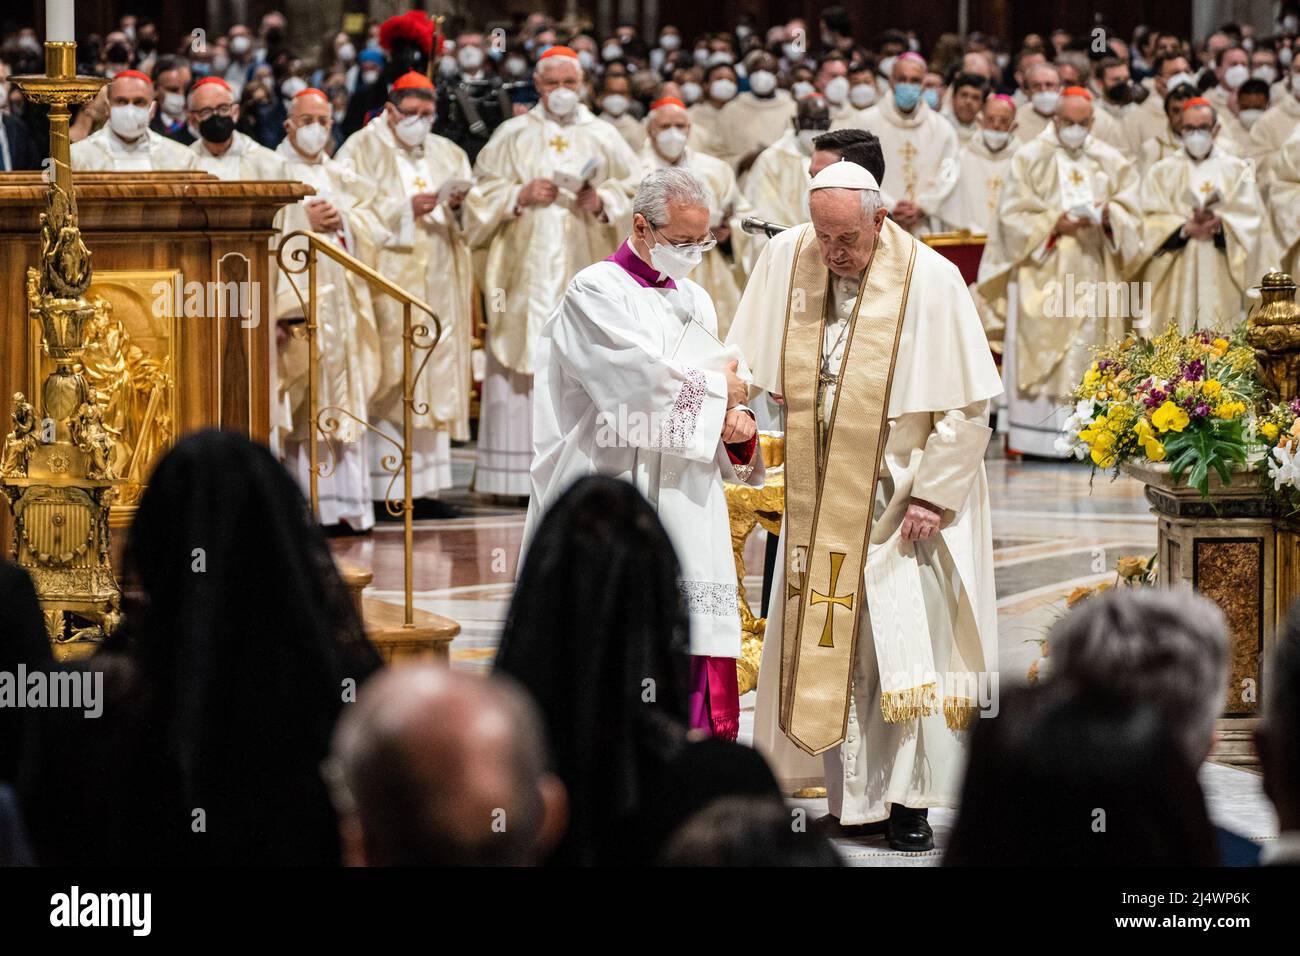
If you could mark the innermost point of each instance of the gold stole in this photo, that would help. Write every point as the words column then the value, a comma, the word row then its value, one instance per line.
column 830, row 490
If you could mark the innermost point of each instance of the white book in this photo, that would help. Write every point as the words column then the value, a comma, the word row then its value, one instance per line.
column 592, row 173
column 700, row 348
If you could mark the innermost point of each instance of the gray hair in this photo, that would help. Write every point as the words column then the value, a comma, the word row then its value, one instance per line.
column 1168, row 648
column 869, row 199
column 672, row 184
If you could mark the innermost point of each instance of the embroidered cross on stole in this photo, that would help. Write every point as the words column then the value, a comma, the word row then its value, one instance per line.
column 831, row 479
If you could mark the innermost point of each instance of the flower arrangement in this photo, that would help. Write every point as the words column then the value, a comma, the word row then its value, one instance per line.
column 1188, row 400
column 1279, row 430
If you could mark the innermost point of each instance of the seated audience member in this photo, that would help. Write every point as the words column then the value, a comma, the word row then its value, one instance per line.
column 220, row 691
column 1066, row 779
column 1169, row 648
column 1278, row 744
column 22, row 641
column 748, row 831
column 597, row 632
column 432, row 767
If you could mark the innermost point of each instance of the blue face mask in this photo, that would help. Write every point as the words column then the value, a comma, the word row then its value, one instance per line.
column 906, row 96
column 931, row 99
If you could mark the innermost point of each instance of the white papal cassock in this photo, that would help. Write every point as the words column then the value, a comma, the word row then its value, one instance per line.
column 430, row 258
column 103, row 151
column 935, row 438
column 348, row 340
column 616, row 396
column 531, row 258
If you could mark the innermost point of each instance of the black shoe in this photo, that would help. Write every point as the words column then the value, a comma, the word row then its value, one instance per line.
column 909, row 830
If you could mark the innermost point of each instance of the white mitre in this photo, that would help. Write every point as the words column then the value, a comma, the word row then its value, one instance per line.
column 844, row 175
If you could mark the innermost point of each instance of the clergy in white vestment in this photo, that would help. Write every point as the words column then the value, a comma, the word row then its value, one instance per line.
column 1170, row 139
column 553, row 193
column 1283, row 204
column 1114, row 104
column 962, row 108
column 221, row 149
column 669, row 127
column 982, row 168
column 422, row 180
column 719, row 89
column 1066, row 240
column 1202, row 224
column 1043, row 84
column 881, row 637
column 920, row 149
column 632, row 382
column 777, row 185
column 348, row 335
column 1279, row 121
column 126, row 144
column 1149, row 121
column 615, row 103
column 757, row 118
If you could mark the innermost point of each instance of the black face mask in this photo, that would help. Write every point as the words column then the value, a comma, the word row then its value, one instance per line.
column 1118, row 93
column 117, row 53
column 217, row 129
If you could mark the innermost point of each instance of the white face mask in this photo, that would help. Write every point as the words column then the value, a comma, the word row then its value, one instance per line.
column 611, row 51
column 413, row 130
column 1284, row 56
column 887, row 66
column 863, row 95
column 806, row 137
column 762, row 82
column 691, row 93
column 837, row 90
column 722, row 90
column 1197, row 142
column 369, row 76
column 292, row 87
column 615, row 104
column 802, row 89
column 561, row 101
column 995, row 139
column 1265, row 73
column 347, row 53
column 128, row 122
column 586, row 59
column 1234, row 76
column 670, row 42
column 310, row 140
column 240, row 45
column 1045, row 102
column 673, row 262
column 1073, row 136
column 671, row 142
column 1177, row 80
column 173, row 104
column 1248, row 117
column 470, row 58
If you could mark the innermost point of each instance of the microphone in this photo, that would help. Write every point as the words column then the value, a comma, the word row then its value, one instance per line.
column 754, row 226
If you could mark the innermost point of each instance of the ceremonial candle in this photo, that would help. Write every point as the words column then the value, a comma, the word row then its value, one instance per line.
column 58, row 20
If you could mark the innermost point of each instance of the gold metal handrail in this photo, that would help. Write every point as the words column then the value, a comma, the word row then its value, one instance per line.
column 325, row 421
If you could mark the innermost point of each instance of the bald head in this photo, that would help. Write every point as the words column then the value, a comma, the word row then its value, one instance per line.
column 435, row 767
column 130, row 91
column 812, row 112
column 670, row 114
column 1074, row 108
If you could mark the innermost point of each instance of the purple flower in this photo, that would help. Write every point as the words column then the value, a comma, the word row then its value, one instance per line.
column 1294, row 405
column 1104, row 365
column 1194, row 371
column 1202, row 410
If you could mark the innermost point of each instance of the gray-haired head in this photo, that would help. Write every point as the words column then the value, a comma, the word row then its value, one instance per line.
column 671, row 184
column 1169, row 648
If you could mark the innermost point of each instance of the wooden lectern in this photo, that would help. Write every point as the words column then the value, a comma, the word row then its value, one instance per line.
column 182, row 295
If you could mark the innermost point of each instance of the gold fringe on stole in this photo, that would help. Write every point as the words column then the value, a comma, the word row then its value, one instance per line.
column 959, row 712
column 899, row 705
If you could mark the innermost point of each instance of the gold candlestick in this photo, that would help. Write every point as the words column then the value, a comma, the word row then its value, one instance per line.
column 56, row 469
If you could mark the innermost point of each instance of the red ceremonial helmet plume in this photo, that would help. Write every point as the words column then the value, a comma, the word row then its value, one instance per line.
column 415, row 27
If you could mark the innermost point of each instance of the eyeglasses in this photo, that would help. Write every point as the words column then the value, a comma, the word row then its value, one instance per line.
column 700, row 247
column 222, row 110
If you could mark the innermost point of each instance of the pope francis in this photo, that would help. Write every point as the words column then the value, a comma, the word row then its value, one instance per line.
column 882, row 628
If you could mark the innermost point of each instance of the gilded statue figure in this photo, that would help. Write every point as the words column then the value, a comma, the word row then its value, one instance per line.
column 20, row 442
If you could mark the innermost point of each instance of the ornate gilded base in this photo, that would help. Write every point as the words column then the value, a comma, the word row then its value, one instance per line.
column 749, row 507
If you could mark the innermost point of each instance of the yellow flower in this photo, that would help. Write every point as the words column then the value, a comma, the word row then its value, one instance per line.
column 1269, row 431
column 1220, row 346
column 1155, row 451
column 1130, row 567
column 1229, row 410
column 1169, row 417
column 1211, row 388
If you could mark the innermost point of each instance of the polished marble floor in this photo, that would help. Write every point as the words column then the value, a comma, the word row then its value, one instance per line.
column 1055, row 528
